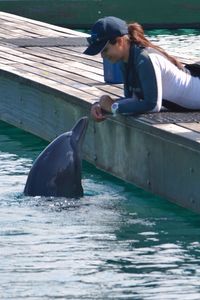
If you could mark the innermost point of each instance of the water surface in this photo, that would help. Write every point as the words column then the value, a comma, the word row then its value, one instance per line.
column 183, row 42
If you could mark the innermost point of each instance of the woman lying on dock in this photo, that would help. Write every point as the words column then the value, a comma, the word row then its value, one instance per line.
column 152, row 78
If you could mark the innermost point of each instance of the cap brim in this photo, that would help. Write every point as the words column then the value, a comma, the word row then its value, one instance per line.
column 95, row 48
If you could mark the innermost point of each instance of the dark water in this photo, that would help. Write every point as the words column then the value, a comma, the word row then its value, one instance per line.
column 117, row 242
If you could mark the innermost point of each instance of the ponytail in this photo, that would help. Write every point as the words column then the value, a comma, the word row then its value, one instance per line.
column 136, row 36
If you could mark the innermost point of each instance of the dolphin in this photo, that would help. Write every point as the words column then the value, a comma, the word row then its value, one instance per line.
column 57, row 170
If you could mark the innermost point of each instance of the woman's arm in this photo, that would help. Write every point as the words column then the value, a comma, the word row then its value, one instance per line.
column 149, row 76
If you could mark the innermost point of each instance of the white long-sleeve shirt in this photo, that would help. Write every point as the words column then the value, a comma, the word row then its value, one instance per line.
column 174, row 84
column 152, row 78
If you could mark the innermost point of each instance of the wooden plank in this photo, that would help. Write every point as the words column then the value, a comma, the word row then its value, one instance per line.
column 52, row 54
column 76, row 52
column 41, row 69
column 191, row 126
column 179, row 130
column 22, row 20
column 32, row 60
column 51, row 84
column 93, row 90
column 54, row 41
column 14, row 31
column 31, row 56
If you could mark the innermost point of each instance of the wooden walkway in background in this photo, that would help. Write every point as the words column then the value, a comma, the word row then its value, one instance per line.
column 46, row 84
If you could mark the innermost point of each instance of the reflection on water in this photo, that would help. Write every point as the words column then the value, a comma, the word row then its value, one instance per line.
column 117, row 242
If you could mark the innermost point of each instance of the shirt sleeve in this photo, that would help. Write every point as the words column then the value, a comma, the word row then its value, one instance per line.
column 149, row 77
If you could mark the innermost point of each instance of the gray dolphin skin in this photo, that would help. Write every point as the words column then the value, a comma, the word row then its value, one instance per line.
column 57, row 170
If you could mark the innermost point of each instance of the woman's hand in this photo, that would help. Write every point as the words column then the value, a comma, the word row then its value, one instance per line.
column 106, row 103
column 96, row 112
column 99, row 109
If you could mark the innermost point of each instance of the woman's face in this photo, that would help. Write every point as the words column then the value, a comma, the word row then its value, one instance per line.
column 116, row 52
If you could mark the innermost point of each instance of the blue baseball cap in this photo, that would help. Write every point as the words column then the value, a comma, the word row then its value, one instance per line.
column 104, row 30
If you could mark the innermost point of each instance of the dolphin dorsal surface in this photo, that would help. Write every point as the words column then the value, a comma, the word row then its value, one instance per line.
column 57, row 170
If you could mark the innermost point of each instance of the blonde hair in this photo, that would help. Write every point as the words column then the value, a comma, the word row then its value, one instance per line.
column 136, row 36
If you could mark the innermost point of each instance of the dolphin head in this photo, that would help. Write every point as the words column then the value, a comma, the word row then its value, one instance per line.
column 78, row 132
column 77, row 136
column 57, row 170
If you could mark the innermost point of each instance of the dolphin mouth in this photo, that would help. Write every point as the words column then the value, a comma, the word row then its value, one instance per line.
column 79, row 130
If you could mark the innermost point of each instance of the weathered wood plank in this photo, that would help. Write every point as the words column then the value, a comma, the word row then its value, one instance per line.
column 191, row 126
column 179, row 130
column 49, row 83
column 52, row 54
column 16, row 56
column 75, row 51
column 15, row 19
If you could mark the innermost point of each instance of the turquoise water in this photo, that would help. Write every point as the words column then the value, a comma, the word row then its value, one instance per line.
column 183, row 42
column 117, row 242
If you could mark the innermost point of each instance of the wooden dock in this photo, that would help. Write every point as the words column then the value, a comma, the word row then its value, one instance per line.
column 47, row 84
